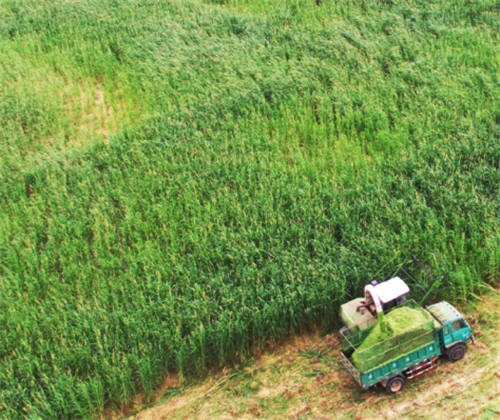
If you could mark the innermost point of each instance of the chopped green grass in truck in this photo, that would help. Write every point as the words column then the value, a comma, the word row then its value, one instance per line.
column 400, row 331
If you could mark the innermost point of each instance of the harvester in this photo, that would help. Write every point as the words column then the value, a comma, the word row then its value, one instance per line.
column 388, row 339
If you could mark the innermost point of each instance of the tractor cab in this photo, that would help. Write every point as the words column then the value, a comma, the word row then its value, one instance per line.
column 361, row 313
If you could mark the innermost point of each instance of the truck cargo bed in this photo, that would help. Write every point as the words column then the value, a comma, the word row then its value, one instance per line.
column 391, row 367
column 400, row 332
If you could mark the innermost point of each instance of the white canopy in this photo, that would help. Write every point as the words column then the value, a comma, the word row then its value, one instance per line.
column 389, row 290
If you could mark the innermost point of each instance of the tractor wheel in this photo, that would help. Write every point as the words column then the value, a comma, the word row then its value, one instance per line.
column 395, row 384
column 456, row 352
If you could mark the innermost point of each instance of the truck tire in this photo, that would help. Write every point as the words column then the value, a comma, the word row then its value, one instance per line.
column 456, row 352
column 395, row 384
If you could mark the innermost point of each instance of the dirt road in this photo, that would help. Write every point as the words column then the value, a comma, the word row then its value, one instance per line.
column 303, row 379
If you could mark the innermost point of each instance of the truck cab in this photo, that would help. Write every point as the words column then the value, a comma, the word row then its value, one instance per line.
column 454, row 332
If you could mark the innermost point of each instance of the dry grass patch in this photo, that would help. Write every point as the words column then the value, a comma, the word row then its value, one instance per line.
column 46, row 108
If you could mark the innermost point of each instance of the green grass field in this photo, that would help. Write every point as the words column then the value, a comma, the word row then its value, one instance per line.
column 181, row 181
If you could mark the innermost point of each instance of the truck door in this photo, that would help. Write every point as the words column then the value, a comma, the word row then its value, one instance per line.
column 459, row 330
column 447, row 337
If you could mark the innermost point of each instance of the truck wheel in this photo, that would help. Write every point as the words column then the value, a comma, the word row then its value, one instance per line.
column 395, row 384
column 456, row 352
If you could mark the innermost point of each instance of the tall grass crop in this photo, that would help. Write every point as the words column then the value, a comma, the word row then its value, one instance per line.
column 183, row 181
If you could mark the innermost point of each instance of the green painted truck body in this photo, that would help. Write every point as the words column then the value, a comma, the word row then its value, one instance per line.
column 450, row 329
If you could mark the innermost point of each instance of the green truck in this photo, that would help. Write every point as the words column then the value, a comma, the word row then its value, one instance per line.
column 406, row 354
